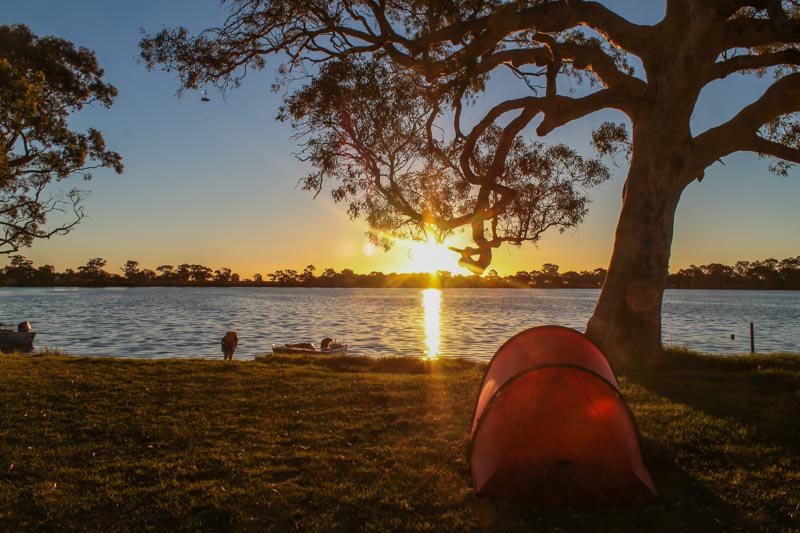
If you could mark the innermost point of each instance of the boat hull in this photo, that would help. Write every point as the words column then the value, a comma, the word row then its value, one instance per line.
column 16, row 340
column 291, row 350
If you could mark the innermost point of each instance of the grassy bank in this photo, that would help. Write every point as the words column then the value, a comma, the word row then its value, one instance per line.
column 350, row 443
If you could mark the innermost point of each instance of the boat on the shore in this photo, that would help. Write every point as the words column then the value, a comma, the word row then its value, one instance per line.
column 19, row 338
column 328, row 346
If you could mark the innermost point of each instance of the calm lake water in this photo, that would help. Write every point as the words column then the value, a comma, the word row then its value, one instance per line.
column 189, row 322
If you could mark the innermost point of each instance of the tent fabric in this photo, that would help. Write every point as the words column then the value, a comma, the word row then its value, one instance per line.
column 551, row 425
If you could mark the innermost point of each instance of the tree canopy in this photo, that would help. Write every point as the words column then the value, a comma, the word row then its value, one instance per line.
column 374, row 130
column 387, row 109
column 43, row 80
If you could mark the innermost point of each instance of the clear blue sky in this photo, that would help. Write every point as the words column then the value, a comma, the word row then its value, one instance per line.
column 215, row 184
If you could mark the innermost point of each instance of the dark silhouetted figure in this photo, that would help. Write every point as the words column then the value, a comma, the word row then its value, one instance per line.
column 229, row 343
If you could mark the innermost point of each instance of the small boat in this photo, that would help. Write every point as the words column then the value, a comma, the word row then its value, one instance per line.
column 328, row 346
column 19, row 338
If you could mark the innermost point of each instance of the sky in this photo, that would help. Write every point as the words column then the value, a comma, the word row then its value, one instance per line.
column 216, row 183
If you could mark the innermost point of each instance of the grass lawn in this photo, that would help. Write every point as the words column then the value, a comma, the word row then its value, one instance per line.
column 348, row 443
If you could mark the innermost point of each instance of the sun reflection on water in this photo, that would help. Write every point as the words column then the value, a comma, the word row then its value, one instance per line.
column 432, row 303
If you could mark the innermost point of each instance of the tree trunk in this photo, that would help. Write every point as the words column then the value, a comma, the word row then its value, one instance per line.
column 626, row 324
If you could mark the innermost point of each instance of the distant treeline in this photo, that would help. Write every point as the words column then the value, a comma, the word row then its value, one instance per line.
column 766, row 274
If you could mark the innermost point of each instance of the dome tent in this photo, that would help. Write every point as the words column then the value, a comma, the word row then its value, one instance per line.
column 551, row 425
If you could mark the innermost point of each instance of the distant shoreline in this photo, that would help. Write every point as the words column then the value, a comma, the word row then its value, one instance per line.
column 404, row 286
column 767, row 274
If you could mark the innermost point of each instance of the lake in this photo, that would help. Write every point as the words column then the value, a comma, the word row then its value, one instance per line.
column 158, row 322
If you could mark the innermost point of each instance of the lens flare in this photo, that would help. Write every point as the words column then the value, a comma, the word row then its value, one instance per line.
column 431, row 256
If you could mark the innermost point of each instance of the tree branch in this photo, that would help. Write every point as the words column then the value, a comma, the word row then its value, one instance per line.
column 635, row 38
column 752, row 33
column 549, row 18
column 781, row 151
column 528, row 105
column 560, row 110
column 740, row 132
column 722, row 69
column 490, row 30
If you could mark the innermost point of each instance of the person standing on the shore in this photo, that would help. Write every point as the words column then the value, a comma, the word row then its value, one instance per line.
column 229, row 343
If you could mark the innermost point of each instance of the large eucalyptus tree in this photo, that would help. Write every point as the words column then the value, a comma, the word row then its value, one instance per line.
column 390, row 83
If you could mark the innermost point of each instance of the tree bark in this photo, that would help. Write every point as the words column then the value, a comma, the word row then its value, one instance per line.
column 626, row 324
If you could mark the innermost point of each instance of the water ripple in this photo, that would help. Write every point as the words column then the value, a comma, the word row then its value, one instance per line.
column 190, row 322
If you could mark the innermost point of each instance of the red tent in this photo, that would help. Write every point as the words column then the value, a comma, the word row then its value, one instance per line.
column 551, row 425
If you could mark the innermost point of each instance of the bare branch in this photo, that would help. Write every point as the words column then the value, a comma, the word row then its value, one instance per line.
column 790, row 56
column 529, row 106
column 752, row 33
column 547, row 18
column 560, row 110
column 766, row 147
column 635, row 38
column 741, row 132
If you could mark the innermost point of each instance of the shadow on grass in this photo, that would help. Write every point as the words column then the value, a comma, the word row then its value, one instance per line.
column 684, row 504
column 344, row 443
column 756, row 390
column 727, row 423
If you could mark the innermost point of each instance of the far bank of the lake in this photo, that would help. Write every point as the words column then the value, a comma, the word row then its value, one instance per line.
column 767, row 274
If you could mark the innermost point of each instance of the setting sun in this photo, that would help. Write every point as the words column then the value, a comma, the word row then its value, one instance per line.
column 431, row 256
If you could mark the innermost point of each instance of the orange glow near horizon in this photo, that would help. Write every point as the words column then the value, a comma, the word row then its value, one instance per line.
column 430, row 256
column 432, row 304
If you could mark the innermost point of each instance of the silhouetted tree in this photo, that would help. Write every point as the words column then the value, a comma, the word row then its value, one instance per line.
column 166, row 272
column 790, row 272
column 569, row 279
column 419, row 66
column 19, row 270
column 45, row 275
column 522, row 279
column 131, row 271
column 69, row 275
column 308, row 274
column 43, row 80
column 183, row 273
column 592, row 278
column 285, row 277
column 200, row 273
column 716, row 274
column 346, row 278
column 549, row 275
column 766, row 274
column 93, row 271
column 223, row 275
